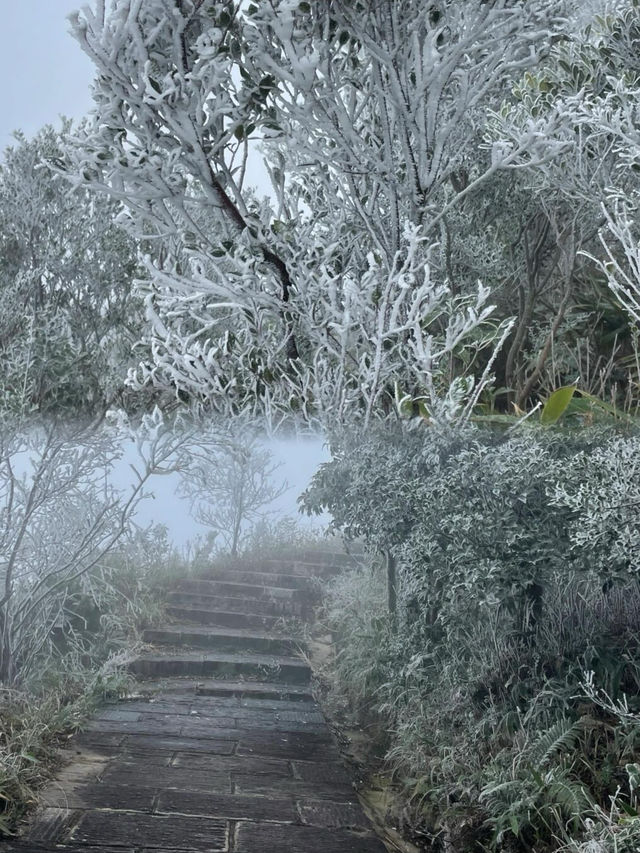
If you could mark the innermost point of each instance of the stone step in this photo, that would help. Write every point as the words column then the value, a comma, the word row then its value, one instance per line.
column 239, row 604
column 261, row 578
column 254, row 690
column 292, row 566
column 297, row 567
column 225, row 618
column 231, row 639
column 289, row 670
column 236, row 589
column 330, row 557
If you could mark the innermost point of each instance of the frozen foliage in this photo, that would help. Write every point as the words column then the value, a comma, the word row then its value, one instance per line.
column 59, row 519
column 584, row 101
column 68, row 319
column 517, row 571
column 437, row 500
column 318, row 301
column 602, row 489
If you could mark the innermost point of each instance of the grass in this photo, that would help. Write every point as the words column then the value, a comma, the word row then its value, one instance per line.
column 36, row 720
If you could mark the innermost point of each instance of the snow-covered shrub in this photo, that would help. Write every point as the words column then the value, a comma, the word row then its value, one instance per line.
column 474, row 517
column 505, row 597
column 602, row 490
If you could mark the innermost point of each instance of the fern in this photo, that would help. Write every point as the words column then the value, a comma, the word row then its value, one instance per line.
column 560, row 738
column 566, row 794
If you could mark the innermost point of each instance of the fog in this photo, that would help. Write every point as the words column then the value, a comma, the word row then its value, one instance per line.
column 299, row 459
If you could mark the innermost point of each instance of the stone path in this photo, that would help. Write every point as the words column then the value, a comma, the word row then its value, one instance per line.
column 229, row 752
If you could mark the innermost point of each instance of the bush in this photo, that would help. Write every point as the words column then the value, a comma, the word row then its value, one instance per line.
column 504, row 603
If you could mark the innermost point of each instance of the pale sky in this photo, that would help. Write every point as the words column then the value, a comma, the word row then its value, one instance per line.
column 44, row 72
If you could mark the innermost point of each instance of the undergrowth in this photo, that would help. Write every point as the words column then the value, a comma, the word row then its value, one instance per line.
column 499, row 745
column 81, row 666
column 34, row 721
column 498, row 664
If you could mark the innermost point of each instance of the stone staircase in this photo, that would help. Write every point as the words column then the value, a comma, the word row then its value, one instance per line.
column 240, row 621
column 228, row 751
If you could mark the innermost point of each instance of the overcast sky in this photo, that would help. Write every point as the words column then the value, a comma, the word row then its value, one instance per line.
column 44, row 72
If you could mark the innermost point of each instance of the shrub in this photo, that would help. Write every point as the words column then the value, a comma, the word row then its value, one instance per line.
column 516, row 575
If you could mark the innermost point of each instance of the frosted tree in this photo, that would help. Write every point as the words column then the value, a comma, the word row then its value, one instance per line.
column 59, row 518
column 319, row 300
column 68, row 319
column 229, row 476
column 585, row 101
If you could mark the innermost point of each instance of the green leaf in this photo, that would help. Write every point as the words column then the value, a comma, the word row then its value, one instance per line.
column 404, row 403
column 515, row 826
column 557, row 404
column 267, row 83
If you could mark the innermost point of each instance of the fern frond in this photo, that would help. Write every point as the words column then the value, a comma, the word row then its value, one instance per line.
column 567, row 794
column 558, row 739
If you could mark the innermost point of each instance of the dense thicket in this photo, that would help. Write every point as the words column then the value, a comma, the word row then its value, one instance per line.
column 68, row 316
column 505, row 686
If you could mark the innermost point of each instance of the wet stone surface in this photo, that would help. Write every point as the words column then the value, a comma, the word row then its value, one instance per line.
column 234, row 765
column 155, row 831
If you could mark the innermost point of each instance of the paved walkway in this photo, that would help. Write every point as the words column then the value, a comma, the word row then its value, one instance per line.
column 229, row 752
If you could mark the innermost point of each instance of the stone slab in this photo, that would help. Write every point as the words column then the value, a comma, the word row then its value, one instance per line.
column 278, row 725
column 32, row 847
column 212, row 746
column 245, row 765
column 287, row 745
column 141, row 776
column 210, row 636
column 229, row 806
column 330, row 815
column 247, row 690
column 156, row 726
column 196, row 726
column 267, row 783
column 284, row 838
column 230, row 618
column 320, row 771
column 121, row 715
column 97, row 795
column 275, row 667
column 167, row 832
column 303, row 701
